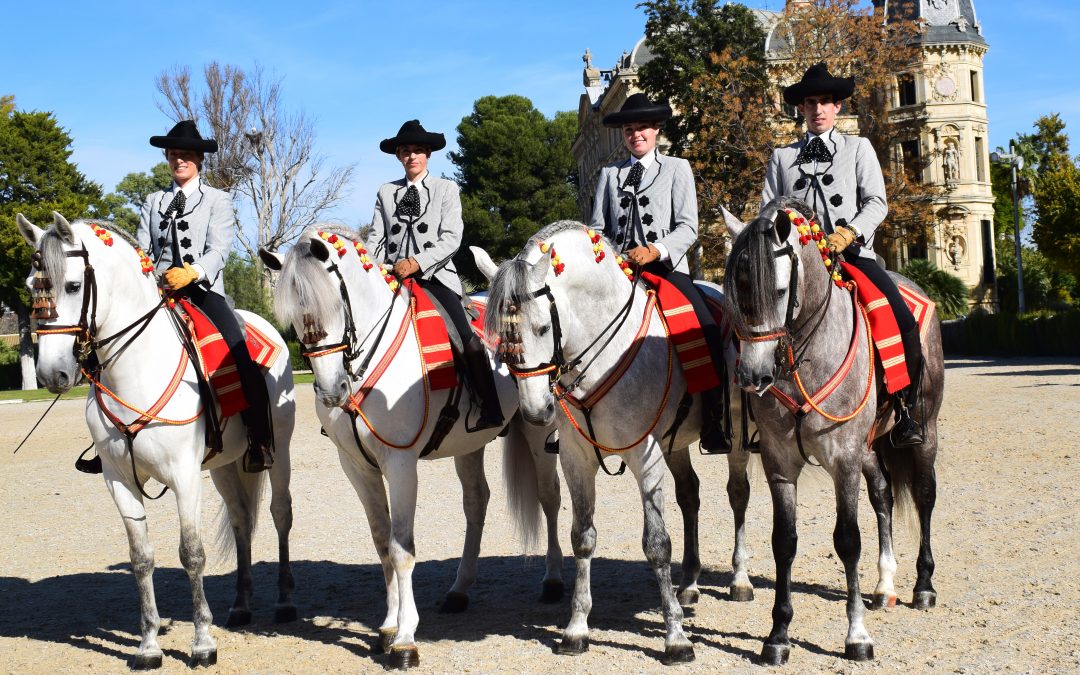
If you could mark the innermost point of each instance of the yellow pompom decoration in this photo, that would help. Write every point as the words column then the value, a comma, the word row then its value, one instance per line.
column 544, row 248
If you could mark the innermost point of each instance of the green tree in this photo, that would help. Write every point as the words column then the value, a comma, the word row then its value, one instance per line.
column 36, row 178
column 1046, row 286
column 243, row 283
column 516, row 174
column 123, row 206
column 948, row 291
column 1057, row 205
column 682, row 34
column 1042, row 148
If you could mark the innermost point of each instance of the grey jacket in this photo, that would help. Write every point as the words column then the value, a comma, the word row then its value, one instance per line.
column 849, row 191
column 663, row 209
column 432, row 238
column 205, row 232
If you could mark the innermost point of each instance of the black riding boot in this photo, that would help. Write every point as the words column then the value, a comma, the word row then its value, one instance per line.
column 259, row 455
column 714, row 439
column 478, row 370
column 907, row 432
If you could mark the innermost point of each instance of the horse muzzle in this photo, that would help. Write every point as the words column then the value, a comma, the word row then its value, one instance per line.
column 58, row 380
column 332, row 396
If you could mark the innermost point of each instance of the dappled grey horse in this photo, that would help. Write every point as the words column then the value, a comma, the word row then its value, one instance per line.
column 800, row 331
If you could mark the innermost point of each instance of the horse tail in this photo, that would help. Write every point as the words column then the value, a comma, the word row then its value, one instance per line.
column 520, row 477
column 250, row 496
column 899, row 465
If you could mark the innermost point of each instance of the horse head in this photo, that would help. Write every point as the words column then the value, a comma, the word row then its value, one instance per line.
column 330, row 290
column 546, row 305
column 775, row 278
column 78, row 269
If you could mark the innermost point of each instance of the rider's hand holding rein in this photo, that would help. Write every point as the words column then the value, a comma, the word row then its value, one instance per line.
column 405, row 268
column 643, row 255
column 840, row 239
column 178, row 277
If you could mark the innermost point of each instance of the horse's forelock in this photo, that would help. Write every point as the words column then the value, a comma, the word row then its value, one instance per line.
column 750, row 282
column 305, row 287
column 509, row 285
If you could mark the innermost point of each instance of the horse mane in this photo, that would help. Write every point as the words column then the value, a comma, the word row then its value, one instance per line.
column 750, row 280
column 304, row 287
column 510, row 283
column 53, row 256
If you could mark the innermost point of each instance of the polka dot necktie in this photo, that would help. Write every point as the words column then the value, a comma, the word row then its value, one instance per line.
column 814, row 151
column 176, row 207
column 409, row 205
column 636, row 172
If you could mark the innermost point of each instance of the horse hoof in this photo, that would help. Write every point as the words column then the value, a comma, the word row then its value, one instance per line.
column 285, row 614
column 403, row 658
column 552, row 590
column 882, row 601
column 742, row 593
column 775, row 655
column 859, row 651
column 689, row 597
column 205, row 659
column 146, row 662
column 925, row 600
column 569, row 647
column 238, row 617
column 678, row 654
column 454, row 603
column 386, row 639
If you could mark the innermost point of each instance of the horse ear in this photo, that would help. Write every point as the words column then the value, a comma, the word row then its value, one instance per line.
column 30, row 232
column 783, row 225
column 271, row 259
column 484, row 262
column 539, row 271
column 734, row 225
column 319, row 250
column 63, row 228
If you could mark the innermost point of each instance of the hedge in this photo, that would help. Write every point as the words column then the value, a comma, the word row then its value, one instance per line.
column 1006, row 334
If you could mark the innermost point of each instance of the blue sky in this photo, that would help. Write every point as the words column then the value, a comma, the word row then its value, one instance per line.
column 361, row 68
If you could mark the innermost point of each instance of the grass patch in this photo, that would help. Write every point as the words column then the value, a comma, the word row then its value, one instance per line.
column 42, row 394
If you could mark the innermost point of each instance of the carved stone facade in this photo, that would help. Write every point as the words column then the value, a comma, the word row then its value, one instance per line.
column 947, row 97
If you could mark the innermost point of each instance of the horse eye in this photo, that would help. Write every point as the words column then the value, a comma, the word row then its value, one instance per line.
column 73, row 286
column 543, row 330
column 780, row 293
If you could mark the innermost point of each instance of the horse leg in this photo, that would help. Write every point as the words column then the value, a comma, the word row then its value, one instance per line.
column 657, row 547
column 848, row 543
column 129, row 503
column 924, row 489
column 193, row 559
column 785, row 539
column 241, row 513
column 368, row 484
column 687, row 494
column 400, row 470
column 547, row 484
column 281, row 510
column 581, row 482
column 475, row 494
column 738, row 490
column 881, row 499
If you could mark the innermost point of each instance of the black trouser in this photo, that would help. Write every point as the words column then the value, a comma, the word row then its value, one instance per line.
column 713, row 335
column 451, row 303
column 905, row 320
column 251, row 380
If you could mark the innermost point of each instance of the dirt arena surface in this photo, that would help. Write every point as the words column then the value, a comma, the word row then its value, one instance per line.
column 1005, row 542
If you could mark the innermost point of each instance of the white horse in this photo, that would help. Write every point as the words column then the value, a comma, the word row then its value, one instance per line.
column 104, row 290
column 565, row 304
column 374, row 401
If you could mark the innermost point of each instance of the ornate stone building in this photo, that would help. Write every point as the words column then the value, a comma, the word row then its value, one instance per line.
column 946, row 96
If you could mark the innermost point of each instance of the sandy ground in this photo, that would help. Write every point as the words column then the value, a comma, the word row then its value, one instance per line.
column 1005, row 541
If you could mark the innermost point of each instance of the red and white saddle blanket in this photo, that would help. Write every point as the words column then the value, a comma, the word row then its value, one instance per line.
column 685, row 332
column 883, row 328
column 216, row 361
column 434, row 338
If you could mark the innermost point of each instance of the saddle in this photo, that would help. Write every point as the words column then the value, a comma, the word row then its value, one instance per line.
column 883, row 328
column 216, row 361
column 685, row 332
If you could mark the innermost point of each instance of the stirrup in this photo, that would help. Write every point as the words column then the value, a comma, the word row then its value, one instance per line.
column 257, row 457
column 715, row 446
column 92, row 465
column 906, row 433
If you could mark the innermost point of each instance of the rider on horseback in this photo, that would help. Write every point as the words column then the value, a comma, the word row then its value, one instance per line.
column 417, row 228
column 839, row 176
column 188, row 231
column 647, row 207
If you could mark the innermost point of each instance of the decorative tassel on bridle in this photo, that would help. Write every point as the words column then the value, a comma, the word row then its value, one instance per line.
column 44, row 297
column 511, row 349
column 313, row 331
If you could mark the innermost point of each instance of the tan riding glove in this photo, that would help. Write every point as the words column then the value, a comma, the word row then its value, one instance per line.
column 178, row 277
column 643, row 255
column 840, row 239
